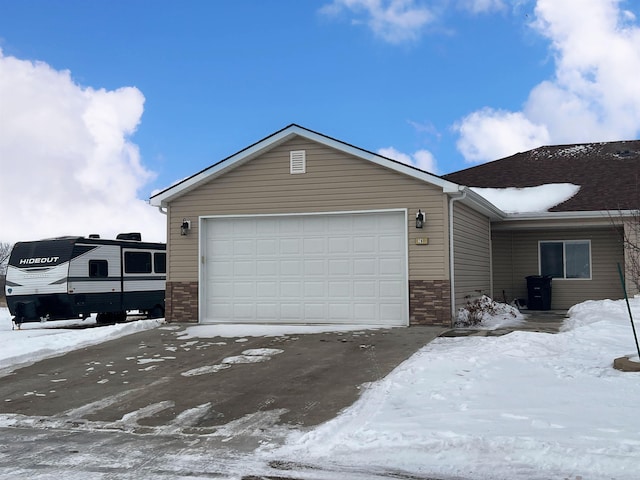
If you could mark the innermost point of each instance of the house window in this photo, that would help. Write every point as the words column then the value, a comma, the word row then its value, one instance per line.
column 566, row 259
column 137, row 262
column 98, row 269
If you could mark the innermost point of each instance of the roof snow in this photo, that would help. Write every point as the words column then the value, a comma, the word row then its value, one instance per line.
column 528, row 199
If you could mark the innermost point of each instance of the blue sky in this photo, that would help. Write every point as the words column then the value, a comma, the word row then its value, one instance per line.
column 160, row 89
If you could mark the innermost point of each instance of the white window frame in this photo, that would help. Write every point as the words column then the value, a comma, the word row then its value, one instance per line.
column 564, row 258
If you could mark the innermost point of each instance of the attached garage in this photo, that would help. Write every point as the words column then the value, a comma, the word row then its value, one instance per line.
column 303, row 228
column 322, row 268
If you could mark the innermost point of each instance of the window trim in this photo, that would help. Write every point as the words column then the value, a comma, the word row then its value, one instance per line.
column 564, row 258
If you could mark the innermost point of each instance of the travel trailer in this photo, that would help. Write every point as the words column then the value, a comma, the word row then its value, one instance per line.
column 74, row 277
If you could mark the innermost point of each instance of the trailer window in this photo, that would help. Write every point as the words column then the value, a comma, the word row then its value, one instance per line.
column 137, row 262
column 160, row 262
column 98, row 269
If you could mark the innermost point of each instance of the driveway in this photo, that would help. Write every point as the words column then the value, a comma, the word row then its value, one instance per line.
column 240, row 391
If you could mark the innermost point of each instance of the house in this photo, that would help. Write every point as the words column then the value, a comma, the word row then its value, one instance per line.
column 579, row 241
column 303, row 228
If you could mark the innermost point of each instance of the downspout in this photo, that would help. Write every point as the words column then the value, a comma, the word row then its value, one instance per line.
column 461, row 195
column 164, row 212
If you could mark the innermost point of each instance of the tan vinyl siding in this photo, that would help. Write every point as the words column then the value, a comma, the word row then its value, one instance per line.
column 333, row 182
column 515, row 256
column 472, row 251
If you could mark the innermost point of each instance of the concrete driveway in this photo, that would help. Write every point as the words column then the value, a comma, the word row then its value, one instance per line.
column 242, row 391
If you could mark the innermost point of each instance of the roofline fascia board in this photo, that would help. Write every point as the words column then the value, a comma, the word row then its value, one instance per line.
column 168, row 194
column 555, row 220
column 514, row 217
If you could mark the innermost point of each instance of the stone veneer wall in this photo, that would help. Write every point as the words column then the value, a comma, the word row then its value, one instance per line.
column 430, row 302
column 181, row 302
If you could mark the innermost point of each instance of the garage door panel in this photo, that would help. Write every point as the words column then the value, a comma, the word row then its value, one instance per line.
column 266, row 289
column 365, row 288
column 267, row 312
column 244, row 268
column 364, row 311
column 328, row 268
column 315, row 312
column 314, row 246
column 364, row 266
column 291, row 267
column 391, row 244
column 244, row 289
column 267, row 247
column 315, row 268
column 290, row 225
column 390, row 266
column 340, row 289
column 339, row 245
column 244, row 247
column 220, row 268
column 289, row 246
column 267, row 267
column 365, row 245
column 244, row 311
column 390, row 310
column 291, row 312
column 290, row 289
column 390, row 289
column 222, row 310
column 315, row 289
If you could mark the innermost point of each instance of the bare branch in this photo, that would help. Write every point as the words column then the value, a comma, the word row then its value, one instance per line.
column 5, row 251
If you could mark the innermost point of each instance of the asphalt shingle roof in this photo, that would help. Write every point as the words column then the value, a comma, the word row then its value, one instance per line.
column 608, row 174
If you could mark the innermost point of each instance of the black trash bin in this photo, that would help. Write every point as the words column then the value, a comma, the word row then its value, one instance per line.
column 539, row 288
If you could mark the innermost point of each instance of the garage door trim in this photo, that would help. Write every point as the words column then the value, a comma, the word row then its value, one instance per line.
column 203, row 238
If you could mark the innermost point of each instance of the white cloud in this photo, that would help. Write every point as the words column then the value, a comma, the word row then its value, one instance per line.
column 395, row 21
column 67, row 164
column 421, row 159
column 490, row 134
column 593, row 95
column 482, row 6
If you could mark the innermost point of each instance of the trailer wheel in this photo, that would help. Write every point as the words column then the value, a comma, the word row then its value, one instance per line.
column 105, row 318
column 120, row 317
column 156, row 312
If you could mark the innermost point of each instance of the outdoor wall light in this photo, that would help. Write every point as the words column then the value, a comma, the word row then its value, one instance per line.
column 420, row 219
column 185, row 227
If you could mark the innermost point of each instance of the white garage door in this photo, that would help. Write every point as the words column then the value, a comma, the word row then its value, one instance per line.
column 342, row 268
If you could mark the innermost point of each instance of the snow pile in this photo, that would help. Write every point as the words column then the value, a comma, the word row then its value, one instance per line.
column 36, row 341
column 521, row 406
column 260, row 330
column 528, row 199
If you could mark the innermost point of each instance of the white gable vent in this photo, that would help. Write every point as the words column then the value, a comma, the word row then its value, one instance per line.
column 298, row 161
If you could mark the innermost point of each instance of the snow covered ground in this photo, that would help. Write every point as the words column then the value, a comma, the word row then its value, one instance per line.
column 520, row 406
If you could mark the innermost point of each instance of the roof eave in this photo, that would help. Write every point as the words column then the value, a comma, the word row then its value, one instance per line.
column 477, row 202
column 163, row 198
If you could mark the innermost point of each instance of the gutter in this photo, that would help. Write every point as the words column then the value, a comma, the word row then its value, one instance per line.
column 461, row 195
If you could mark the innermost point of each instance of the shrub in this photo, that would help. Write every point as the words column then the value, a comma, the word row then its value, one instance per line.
column 480, row 309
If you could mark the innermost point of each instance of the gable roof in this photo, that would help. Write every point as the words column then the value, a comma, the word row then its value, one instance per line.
column 607, row 173
column 162, row 198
